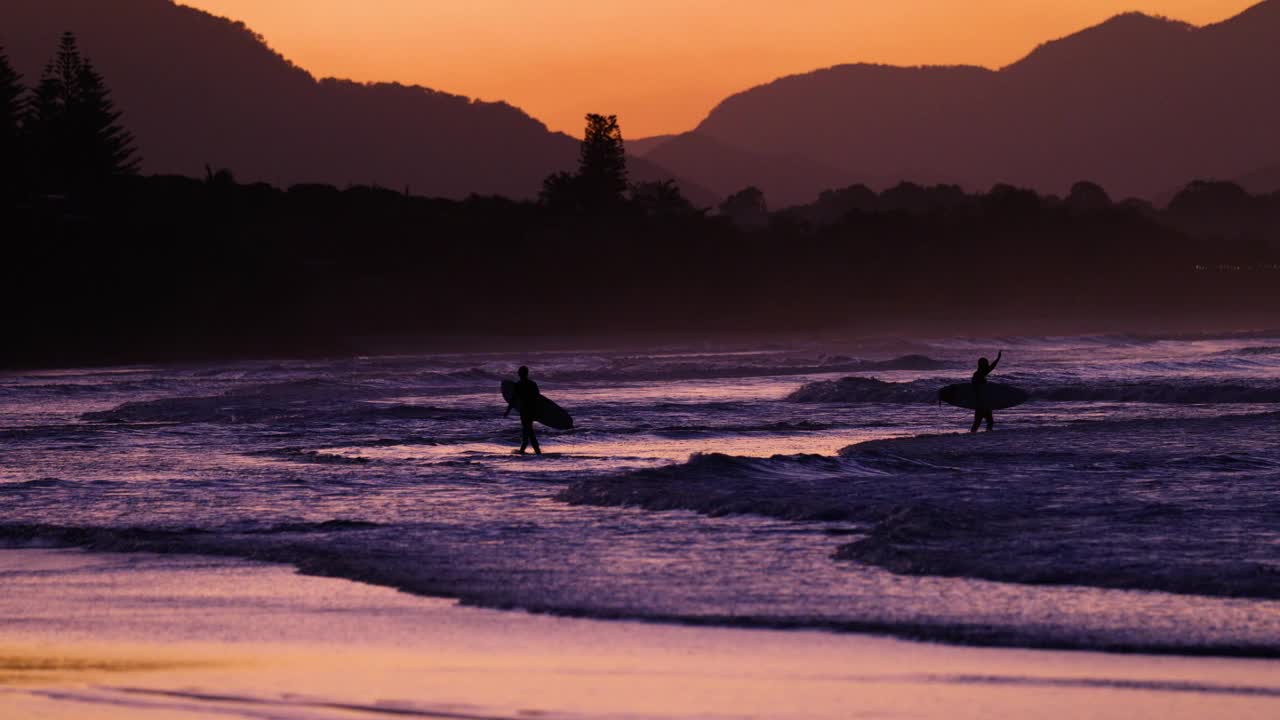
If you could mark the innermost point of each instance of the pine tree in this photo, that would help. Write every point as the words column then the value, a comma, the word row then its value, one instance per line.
column 111, row 151
column 602, row 162
column 47, row 123
column 11, row 91
column 74, row 126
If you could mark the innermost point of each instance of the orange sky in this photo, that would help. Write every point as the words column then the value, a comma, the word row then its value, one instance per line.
column 660, row 65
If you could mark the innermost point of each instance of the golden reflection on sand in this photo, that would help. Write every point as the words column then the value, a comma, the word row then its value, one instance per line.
column 27, row 666
column 116, row 637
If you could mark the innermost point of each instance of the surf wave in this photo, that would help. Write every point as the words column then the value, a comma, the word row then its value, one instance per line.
column 1054, row 506
column 254, row 408
column 1180, row 393
column 215, row 541
column 219, row 409
column 306, row 455
column 786, row 487
column 868, row 390
column 1253, row 350
column 38, row 484
column 626, row 369
column 927, row 539
column 1189, row 392
column 467, row 374
column 713, row 430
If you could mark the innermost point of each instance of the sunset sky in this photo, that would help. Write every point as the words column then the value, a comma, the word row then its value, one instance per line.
column 661, row 65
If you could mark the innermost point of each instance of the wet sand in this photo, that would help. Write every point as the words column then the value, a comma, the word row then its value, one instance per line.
column 86, row 635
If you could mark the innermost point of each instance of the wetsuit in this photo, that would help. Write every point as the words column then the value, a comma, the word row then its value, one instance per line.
column 526, row 394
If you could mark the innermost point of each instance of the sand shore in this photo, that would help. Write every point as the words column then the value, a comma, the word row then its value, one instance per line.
column 87, row 635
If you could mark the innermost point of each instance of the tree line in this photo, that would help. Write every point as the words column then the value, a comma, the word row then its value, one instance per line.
column 104, row 264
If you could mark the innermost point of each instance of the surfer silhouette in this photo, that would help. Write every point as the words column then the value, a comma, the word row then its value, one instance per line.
column 981, row 410
column 525, row 398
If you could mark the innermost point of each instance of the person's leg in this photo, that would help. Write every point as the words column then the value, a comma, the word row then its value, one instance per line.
column 526, row 429
column 533, row 438
column 977, row 420
column 990, row 420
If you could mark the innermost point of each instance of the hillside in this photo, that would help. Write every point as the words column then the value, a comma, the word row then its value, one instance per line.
column 1137, row 103
column 197, row 89
column 721, row 167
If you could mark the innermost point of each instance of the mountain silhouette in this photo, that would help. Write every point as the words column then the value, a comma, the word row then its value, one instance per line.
column 642, row 146
column 200, row 90
column 722, row 167
column 1137, row 104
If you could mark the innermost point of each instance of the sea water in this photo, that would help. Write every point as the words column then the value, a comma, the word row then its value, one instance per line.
column 1133, row 504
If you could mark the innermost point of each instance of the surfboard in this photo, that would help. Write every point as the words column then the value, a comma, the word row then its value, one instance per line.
column 998, row 396
column 547, row 412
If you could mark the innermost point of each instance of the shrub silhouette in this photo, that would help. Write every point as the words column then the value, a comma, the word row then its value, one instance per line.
column 1088, row 197
column 746, row 208
column 661, row 199
column 1210, row 196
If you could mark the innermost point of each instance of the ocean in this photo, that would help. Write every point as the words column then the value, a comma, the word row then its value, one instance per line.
column 1133, row 505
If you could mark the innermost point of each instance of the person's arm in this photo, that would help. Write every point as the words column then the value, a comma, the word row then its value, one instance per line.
column 997, row 362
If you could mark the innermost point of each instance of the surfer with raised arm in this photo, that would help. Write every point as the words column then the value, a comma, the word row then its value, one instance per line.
column 982, row 411
column 525, row 399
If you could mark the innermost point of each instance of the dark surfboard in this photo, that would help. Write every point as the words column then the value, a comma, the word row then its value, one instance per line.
column 547, row 412
column 998, row 396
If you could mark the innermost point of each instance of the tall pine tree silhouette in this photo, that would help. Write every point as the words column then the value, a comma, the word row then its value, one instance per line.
column 74, row 126
column 602, row 162
column 11, row 161
column 601, row 179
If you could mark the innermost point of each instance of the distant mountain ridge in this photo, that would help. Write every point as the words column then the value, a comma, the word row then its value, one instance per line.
column 717, row 165
column 197, row 89
column 1137, row 103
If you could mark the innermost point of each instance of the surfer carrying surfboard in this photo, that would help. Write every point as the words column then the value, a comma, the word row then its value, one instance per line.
column 981, row 396
column 525, row 398
column 982, row 409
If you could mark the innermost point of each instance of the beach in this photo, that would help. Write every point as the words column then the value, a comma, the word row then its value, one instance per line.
column 90, row 635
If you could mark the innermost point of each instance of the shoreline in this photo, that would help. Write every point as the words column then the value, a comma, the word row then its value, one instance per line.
column 941, row 634
column 87, row 634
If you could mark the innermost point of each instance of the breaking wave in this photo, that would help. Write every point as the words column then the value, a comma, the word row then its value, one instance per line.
column 1253, row 350
column 239, row 408
column 1190, row 392
column 233, row 541
column 1056, row 505
column 624, row 369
